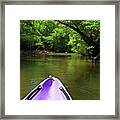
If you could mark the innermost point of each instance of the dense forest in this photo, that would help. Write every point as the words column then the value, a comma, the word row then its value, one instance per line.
column 60, row 36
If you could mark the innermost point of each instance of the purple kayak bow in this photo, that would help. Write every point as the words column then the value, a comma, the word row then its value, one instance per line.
column 49, row 89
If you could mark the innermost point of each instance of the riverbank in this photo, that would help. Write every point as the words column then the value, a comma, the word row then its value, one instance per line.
column 42, row 54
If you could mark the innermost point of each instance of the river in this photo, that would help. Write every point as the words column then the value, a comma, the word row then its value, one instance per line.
column 80, row 77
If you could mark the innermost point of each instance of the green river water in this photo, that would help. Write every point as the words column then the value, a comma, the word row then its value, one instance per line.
column 80, row 77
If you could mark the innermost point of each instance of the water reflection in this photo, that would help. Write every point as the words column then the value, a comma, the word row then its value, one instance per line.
column 80, row 77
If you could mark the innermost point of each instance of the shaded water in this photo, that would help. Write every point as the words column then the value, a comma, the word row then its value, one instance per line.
column 80, row 77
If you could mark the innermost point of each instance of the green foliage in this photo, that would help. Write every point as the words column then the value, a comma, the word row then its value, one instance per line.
column 80, row 36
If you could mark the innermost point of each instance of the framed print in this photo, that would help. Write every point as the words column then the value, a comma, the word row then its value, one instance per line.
column 60, row 59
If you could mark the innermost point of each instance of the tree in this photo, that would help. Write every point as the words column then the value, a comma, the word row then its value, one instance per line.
column 80, row 36
column 89, row 30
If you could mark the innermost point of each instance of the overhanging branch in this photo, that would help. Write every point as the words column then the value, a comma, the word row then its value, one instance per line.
column 85, row 38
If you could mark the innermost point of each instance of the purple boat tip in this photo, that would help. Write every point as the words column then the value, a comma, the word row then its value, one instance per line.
column 48, row 83
column 49, row 89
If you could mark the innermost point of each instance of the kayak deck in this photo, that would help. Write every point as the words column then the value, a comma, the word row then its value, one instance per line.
column 49, row 89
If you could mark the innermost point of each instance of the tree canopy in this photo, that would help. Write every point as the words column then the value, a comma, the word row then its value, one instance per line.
column 77, row 36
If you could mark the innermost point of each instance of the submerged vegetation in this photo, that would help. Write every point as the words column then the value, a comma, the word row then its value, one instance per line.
column 61, row 36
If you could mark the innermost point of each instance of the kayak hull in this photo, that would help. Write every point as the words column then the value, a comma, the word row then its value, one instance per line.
column 49, row 89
